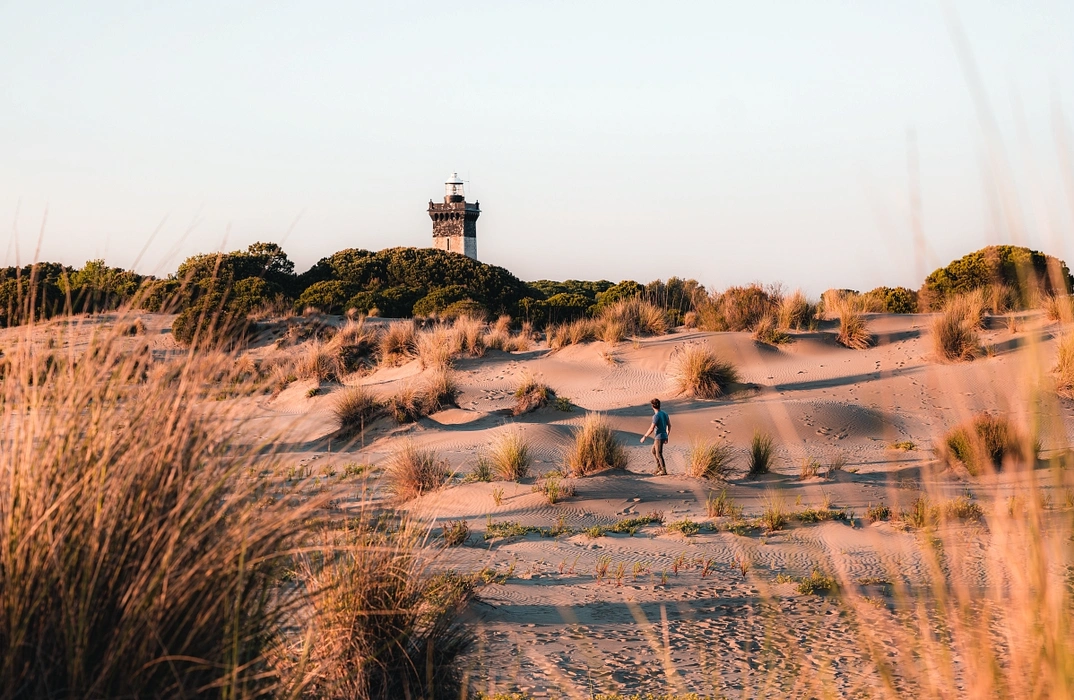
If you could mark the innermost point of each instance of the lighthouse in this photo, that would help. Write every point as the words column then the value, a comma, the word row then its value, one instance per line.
column 455, row 220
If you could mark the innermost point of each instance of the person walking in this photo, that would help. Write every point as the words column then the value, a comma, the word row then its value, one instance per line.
column 660, row 430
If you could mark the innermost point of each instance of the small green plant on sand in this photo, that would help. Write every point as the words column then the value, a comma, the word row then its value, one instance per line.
column 456, row 533
column 684, row 527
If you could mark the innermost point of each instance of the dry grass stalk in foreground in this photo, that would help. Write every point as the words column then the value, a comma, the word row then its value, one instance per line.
column 707, row 459
column 595, row 447
column 510, row 456
column 698, row 372
column 986, row 443
column 1064, row 366
column 382, row 623
column 156, row 574
column 413, row 471
column 954, row 331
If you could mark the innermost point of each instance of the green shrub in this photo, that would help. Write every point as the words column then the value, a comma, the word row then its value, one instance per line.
column 892, row 300
column 1029, row 274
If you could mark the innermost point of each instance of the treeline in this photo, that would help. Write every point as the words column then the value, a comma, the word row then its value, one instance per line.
column 404, row 282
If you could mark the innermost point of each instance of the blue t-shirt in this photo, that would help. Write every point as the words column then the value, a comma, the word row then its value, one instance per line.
column 662, row 423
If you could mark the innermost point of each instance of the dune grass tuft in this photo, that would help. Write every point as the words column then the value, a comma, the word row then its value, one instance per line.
column 853, row 329
column 761, row 454
column 413, row 471
column 354, row 408
column 698, row 372
column 384, row 623
column 595, row 447
column 767, row 331
column 707, row 459
column 510, row 456
column 399, row 343
column 954, row 331
column 634, row 316
column 470, row 335
column 142, row 561
column 986, row 443
column 436, row 348
column 441, row 391
column 795, row 312
column 531, row 395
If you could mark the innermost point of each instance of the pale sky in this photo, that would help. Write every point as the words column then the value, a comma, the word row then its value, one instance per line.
column 725, row 141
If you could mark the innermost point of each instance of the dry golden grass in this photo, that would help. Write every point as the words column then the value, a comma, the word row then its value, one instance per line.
column 636, row 317
column 318, row 361
column 139, row 560
column 1059, row 308
column 612, row 331
column 531, row 395
column 382, row 623
column 413, row 471
column 510, row 456
column 436, row 348
column 707, row 459
column 795, row 312
column 698, row 372
column 595, row 447
column 767, row 331
column 398, row 343
column 441, row 391
column 1064, row 366
column 470, row 335
column 987, row 444
column 954, row 331
column 355, row 407
column 853, row 329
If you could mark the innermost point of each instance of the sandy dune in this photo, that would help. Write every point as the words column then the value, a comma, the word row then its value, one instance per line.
column 683, row 616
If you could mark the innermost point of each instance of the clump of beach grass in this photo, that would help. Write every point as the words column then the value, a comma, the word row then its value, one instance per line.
column 137, row 562
column 382, row 622
column 510, row 456
column 774, row 514
column 441, row 391
column 795, row 312
column 413, row 471
column 318, row 362
column 354, row 408
column 436, row 348
column 595, row 447
column 986, row 443
column 767, row 331
column 636, row 316
column 760, row 455
column 954, row 331
column 700, row 373
column 399, row 343
column 470, row 335
column 531, row 395
column 709, row 459
column 853, row 329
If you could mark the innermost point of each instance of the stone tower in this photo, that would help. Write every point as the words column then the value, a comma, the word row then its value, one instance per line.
column 455, row 221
